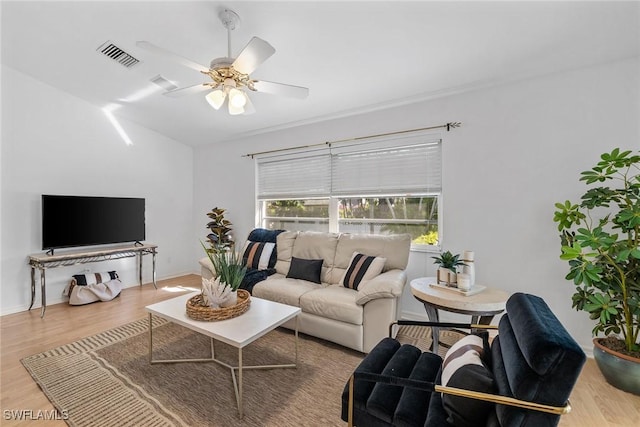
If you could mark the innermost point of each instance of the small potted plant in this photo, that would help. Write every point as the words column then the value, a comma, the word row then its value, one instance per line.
column 448, row 265
column 601, row 242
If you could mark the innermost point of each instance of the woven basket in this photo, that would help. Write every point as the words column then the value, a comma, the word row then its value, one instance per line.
column 197, row 311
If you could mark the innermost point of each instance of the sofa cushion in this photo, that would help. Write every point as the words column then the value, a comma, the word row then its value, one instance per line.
column 305, row 269
column 362, row 268
column 284, row 249
column 316, row 245
column 257, row 254
column 280, row 289
column 333, row 302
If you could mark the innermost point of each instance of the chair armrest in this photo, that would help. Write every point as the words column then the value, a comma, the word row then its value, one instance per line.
column 387, row 285
column 432, row 387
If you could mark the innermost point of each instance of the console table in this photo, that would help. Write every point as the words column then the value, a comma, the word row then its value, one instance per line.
column 43, row 261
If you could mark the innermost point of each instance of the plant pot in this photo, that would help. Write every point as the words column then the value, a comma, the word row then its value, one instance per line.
column 446, row 276
column 620, row 370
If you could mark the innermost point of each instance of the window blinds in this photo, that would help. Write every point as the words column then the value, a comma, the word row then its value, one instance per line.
column 403, row 166
column 294, row 176
column 404, row 170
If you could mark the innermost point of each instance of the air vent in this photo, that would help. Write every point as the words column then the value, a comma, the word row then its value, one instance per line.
column 114, row 52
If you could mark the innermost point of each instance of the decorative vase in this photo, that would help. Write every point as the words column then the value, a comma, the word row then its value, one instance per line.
column 469, row 267
column 620, row 370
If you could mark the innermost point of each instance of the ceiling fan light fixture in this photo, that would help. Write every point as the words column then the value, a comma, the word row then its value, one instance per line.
column 216, row 98
column 234, row 111
column 237, row 98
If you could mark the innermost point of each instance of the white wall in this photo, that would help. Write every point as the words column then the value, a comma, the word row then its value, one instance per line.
column 54, row 143
column 520, row 149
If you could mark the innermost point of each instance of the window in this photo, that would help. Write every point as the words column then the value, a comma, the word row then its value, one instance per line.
column 384, row 186
column 295, row 215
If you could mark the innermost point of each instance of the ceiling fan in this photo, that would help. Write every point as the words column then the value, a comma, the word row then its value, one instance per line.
column 231, row 77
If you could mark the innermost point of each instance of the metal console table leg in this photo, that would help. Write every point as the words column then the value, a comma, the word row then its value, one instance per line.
column 33, row 286
column 43, row 291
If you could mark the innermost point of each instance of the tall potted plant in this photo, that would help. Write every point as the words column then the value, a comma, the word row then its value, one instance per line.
column 600, row 239
column 220, row 239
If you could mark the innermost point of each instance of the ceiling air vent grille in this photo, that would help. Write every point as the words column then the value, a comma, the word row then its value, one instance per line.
column 114, row 52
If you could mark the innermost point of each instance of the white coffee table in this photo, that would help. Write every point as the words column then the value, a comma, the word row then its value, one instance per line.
column 262, row 317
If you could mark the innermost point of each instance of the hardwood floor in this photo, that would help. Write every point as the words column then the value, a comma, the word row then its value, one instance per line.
column 595, row 403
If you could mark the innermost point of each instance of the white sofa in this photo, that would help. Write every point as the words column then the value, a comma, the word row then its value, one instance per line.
column 357, row 319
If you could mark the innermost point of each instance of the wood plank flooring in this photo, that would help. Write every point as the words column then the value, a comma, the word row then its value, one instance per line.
column 595, row 403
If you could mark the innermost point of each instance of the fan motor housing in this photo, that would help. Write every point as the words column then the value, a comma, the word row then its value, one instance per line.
column 221, row 63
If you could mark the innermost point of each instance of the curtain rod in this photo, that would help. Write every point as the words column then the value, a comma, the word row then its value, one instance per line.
column 448, row 126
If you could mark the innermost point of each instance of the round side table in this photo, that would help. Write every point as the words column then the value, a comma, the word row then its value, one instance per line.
column 482, row 307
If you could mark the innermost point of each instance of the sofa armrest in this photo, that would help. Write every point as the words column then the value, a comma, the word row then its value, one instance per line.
column 387, row 285
column 207, row 270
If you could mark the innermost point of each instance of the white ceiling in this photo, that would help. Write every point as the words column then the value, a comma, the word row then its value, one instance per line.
column 353, row 56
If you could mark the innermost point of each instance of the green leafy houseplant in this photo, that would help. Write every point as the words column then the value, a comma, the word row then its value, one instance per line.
column 448, row 260
column 600, row 239
column 228, row 266
column 219, row 238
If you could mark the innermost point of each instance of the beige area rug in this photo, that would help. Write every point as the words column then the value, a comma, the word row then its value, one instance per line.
column 106, row 380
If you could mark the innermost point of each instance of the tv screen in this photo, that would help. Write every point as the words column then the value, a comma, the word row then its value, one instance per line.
column 69, row 221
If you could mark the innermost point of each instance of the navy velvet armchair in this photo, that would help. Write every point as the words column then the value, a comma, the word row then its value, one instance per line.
column 524, row 377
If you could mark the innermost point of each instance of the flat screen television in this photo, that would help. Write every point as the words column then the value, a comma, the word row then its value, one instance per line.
column 69, row 221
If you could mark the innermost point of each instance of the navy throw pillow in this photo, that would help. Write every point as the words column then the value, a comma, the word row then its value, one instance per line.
column 305, row 269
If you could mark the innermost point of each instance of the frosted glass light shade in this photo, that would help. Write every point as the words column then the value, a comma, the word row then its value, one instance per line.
column 215, row 98
column 237, row 98
column 235, row 110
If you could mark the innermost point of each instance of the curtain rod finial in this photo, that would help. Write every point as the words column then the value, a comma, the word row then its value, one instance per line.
column 453, row 125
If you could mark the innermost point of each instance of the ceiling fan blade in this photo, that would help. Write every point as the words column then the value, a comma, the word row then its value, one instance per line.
column 189, row 90
column 291, row 91
column 174, row 56
column 254, row 53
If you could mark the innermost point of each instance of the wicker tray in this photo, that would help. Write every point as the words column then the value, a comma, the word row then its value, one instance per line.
column 196, row 311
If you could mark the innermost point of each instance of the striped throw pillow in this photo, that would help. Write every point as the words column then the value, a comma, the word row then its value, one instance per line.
column 466, row 351
column 361, row 268
column 93, row 278
column 256, row 255
column 463, row 368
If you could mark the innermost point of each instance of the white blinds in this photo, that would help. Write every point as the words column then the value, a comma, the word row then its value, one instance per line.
column 294, row 176
column 403, row 166
column 401, row 170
